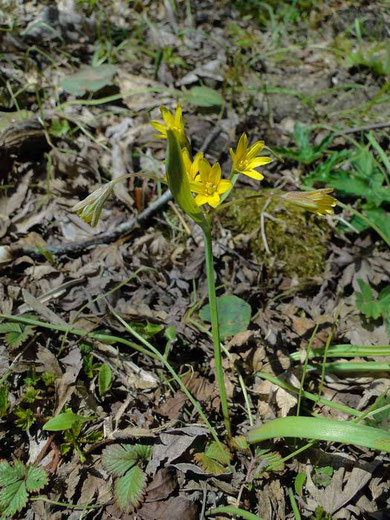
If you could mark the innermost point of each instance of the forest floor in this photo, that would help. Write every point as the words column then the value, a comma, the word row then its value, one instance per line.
column 93, row 424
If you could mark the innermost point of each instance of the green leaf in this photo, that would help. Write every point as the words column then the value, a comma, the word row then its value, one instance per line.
column 59, row 127
column 4, row 402
column 15, row 334
column 380, row 219
column 234, row 511
column 36, row 478
column 64, row 421
column 270, row 460
column 322, row 429
column 4, row 468
column 323, row 476
column 239, row 443
column 384, row 301
column 90, row 79
column 214, row 459
column 130, row 488
column 382, row 418
column 204, row 97
column 299, row 482
column 143, row 452
column 210, row 465
column 13, row 498
column 15, row 481
column 178, row 182
column 11, row 474
column 119, row 458
column 234, row 315
column 105, row 376
column 218, row 452
column 366, row 303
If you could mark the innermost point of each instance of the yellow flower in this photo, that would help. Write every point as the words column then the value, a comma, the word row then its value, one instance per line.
column 317, row 201
column 211, row 185
column 174, row 122
column 191, row 167
column 245, row 159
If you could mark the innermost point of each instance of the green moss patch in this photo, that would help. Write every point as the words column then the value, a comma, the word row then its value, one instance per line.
column 296, row 239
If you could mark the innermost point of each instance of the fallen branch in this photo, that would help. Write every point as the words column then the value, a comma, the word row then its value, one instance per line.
column 102, row 238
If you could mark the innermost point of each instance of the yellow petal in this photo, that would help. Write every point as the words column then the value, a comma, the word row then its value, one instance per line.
column 168, row 117
column 204, row 169
column 196, row 163
column 213, row 199
column 197, row 187
column 224, row 185
column 317, row 201
column 215, row 174
column 201, row 199
column 187, row 161
column 253, row 174
column 242, row 146
column 259, row 161
column 178, row 116
column 159, row 127
column 254, row 150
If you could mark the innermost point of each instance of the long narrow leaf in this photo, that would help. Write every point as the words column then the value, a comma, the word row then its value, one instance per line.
column 312, row 397
column 232, row 510
column 363, row 367
column 322, row 429
column 347, row 351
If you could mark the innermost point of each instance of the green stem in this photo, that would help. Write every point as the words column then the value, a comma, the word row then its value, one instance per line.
column 232, row 510
column 369, row 222
column 78, row 332
column 64, row 504
column 294, row 504
column 215, row 330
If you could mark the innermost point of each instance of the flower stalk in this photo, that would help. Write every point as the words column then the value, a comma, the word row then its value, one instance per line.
column 179, row 185
column 208, row 248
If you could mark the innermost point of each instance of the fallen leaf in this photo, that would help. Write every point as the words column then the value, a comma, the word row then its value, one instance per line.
column 173, row 444
column 175, row 508
column 335, row 496
column 162, row 485
column 301, row 325
column 172, row 406
column 140, row 93
column 42, row 309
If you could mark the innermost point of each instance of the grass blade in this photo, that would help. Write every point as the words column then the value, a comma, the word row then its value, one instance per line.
column 241, row 513
column 307, row 395
column 346, row 351
column 322, row 429
column 348, row 367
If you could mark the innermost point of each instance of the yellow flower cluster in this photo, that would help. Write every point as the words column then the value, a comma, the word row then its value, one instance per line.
column 206, row 179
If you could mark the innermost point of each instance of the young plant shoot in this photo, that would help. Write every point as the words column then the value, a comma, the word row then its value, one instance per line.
column 199, row 188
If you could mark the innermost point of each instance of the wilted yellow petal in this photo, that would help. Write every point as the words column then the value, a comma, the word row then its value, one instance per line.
column 317, row 201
